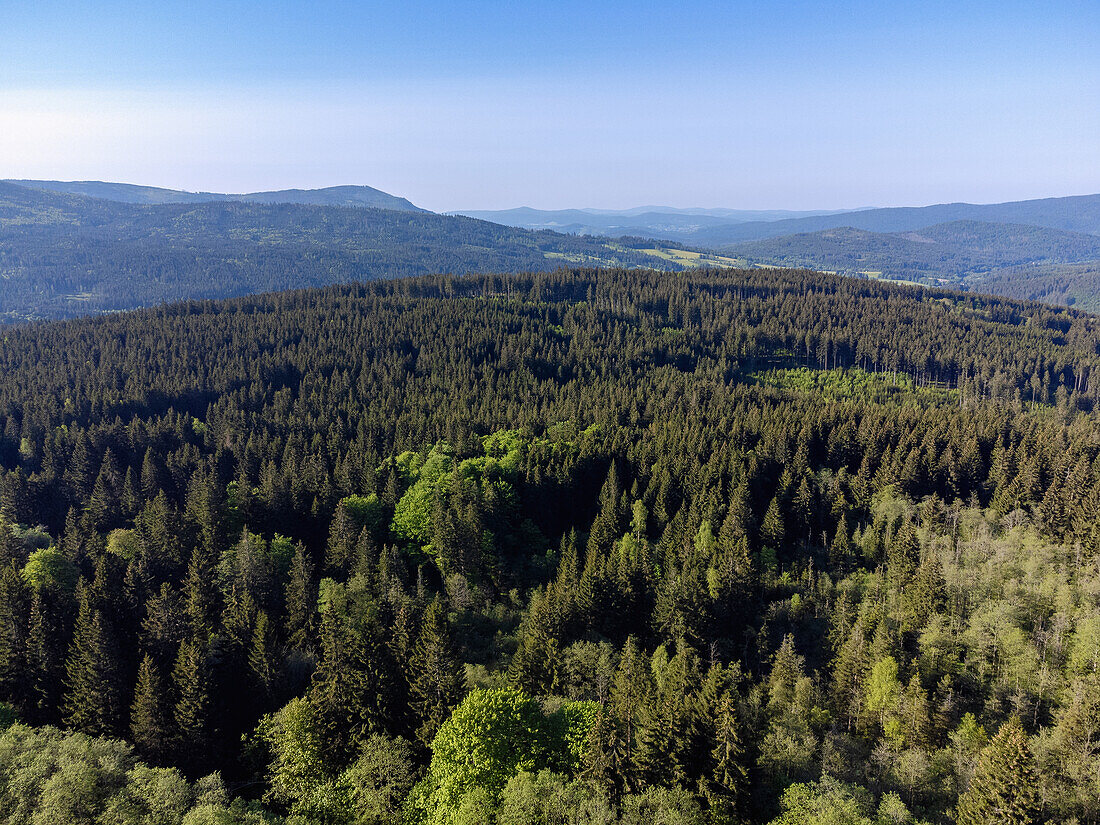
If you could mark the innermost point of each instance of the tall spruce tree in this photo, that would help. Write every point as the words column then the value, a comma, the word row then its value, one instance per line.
column 436, row 684
column 1004, row 789
column 93, row 700
column 150, row 727
column 191, row 713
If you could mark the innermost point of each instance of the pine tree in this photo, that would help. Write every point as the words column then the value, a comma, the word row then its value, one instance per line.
column 772, row 534
column 727, row 776
column 436, row 682
column 534, row 666
column 340, row 551
column 663, row 739
column 840, row 551
column 201, row 592
column 630, row 693
column 149, row 724
column 1005, row 787
column 849, row 673
column 353, row 687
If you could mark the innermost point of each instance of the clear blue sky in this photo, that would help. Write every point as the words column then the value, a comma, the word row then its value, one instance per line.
column 554, row 104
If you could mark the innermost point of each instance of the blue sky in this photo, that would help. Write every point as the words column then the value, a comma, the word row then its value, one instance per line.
column 556, row 104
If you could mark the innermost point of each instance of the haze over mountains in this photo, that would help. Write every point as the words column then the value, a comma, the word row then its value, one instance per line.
column 666, row 222
column 717, row 227
column 63, row 255
column 73, row 248
column 152, row 195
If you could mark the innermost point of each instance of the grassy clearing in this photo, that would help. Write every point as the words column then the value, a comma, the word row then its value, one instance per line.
column 840, row 384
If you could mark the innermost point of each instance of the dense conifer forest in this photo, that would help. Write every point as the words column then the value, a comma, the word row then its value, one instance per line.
column 587, row 546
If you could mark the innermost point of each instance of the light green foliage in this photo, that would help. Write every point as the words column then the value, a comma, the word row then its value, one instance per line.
column 413, row 514
column 50, row 568
column 661, row 806
column 298, row 776
column 575, row 720
column 378, row 782
column 853, row 383
column 1085, row 650
column 435, row 473
column 48, row 777
column 491, row 736
column 549, row 798
column 366, row 511
column 830, row 802
column 883, row 691
column 124, row 544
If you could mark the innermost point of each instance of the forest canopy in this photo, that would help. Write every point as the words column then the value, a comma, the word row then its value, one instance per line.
column 603, row 546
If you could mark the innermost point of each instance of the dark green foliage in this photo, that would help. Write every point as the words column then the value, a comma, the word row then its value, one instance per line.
column 436, row 684
column 149, row 720
column 93, row 688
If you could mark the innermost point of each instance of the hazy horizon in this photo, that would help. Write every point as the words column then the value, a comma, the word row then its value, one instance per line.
column 490, row 105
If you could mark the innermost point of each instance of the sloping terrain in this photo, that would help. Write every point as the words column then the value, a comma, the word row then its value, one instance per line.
column 947, row 252
column 152, row 195
column 64, row 255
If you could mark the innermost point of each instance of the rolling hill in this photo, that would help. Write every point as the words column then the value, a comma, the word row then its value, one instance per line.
column 1073, row 214
column 719, row 227
column 151, row 195
column 948, row 252
column 666, row 222
column 63, row 255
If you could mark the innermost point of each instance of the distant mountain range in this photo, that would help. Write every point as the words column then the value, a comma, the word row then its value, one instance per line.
column 72, row 248
column 64, row 254
column 1047, row 249
column 667, row 222
column 718, row 227
column 947, row 251
column 363, row 196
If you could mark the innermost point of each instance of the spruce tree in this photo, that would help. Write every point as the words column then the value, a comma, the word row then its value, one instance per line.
column 436, row 685
column 13, row 633
column 1004, row 789
column 191, row 714
column 261, row 657
column 93, row 700
column 45, row 655
column 727, row 776
column 300, row 600
column 149, row 723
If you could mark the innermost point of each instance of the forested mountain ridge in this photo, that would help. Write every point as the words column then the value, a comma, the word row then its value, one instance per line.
column 651, row 221
column 63, row 255
column 950, row 252
column 706, row 228
column 603, row 546
column 152, row 195
column 1078, row 213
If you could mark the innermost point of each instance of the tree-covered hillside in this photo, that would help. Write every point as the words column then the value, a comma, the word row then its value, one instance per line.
column 65, row 255
column 951, row 252
column 1078, row 213
column 152, row 195
column 582, row 546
